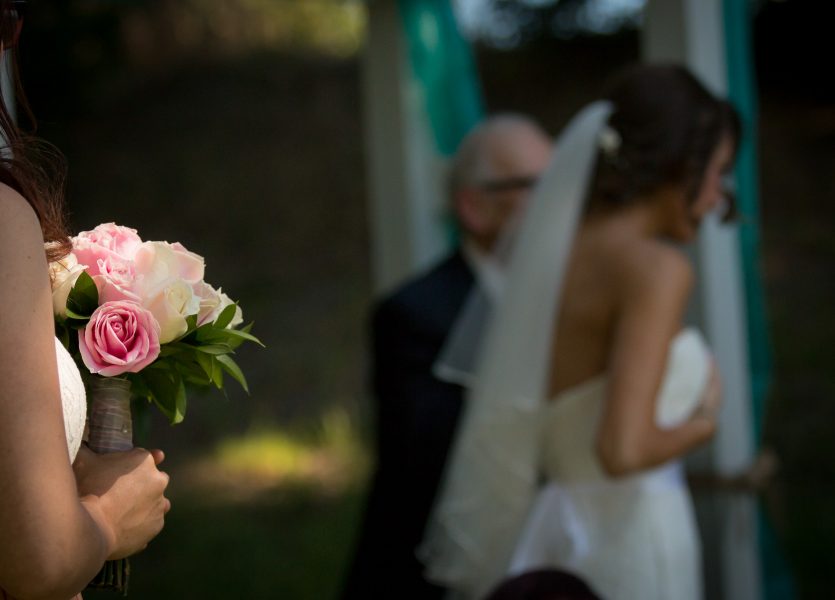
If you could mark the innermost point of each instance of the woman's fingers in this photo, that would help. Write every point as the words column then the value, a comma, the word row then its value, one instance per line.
column 158, row 455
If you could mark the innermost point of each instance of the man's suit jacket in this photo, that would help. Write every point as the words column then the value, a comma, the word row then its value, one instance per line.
column 416, row 419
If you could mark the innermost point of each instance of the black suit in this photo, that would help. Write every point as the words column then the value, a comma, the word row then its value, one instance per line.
column 416, row 418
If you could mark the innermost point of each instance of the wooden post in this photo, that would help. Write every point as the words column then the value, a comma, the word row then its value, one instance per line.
column 404, row 170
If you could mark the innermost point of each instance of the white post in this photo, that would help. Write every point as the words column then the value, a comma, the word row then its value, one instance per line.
column 404, row 170
column 691, row 32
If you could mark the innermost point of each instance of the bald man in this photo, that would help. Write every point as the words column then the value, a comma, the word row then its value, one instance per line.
column 491, row 175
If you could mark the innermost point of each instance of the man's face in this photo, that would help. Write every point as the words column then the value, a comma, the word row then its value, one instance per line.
column 516, row 158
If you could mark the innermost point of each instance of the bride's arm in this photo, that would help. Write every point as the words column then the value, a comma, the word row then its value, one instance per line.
column 51, row 541
column 656, row 285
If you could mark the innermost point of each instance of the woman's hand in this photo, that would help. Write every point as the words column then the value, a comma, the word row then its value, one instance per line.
column 712, row 396
column 124, row 494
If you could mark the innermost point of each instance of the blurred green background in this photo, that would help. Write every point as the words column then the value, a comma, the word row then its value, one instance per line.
column 234, row 126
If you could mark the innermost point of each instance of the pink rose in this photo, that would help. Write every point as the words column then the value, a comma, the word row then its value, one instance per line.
column 121, row 337
column 116, row 280
column 108, row 240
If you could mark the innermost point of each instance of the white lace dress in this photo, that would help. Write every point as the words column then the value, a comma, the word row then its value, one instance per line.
column 73, row 399
column 629, row 538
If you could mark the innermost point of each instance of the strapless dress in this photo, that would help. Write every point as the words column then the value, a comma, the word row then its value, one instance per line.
column 632, row 537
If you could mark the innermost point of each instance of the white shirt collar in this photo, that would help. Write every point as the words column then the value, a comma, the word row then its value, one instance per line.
column 488, row 272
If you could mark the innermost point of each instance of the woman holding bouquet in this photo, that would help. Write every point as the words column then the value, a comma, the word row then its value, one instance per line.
column 59, row 519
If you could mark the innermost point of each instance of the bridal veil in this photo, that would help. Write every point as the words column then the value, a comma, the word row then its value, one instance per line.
column 502, row 355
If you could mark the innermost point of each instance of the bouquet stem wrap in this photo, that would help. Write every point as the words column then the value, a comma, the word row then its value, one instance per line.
column 111, row 430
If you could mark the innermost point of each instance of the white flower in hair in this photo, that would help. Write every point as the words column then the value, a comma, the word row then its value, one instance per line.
column 609, row 141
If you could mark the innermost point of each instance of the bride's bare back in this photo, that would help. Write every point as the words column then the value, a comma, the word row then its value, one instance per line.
column 623, row 301
column 607, row 262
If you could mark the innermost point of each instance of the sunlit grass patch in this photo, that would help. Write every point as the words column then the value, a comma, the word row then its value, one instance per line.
column 267, row 453
column 327, row 458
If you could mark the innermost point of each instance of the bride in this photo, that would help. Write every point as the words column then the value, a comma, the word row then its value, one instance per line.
column 588, row 390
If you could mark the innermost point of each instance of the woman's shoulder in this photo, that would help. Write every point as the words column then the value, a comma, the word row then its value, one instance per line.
column 21, row 239
column 653, row 265
column 18, row 215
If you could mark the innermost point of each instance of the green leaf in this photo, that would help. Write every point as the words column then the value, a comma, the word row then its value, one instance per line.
column 225, row 317
column 238, row 340
column 231, row 367
column 138, row 386
column 231, row 337
column 214, row 349
column 217, row 374
column 62, row 332
column 169, row 350
column 77, row 324
column 192, row 371
column 212, row 369
column 83, row 298
column 208, row 334
column 168, row 390
column 178, row 351
column 161, row 389
column 244, row 336
column 71, row 314
column 179, row 403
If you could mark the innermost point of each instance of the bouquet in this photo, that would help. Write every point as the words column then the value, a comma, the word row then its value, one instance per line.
column 142, row 322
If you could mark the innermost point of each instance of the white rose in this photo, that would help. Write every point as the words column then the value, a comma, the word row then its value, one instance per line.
column 157, row 261
column 165, row 274
column 209, row 301
column 63, row 274
column 171, row 301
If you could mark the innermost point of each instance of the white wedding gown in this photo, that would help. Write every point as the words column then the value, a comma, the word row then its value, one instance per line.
column 629, row 538
column 73, row 399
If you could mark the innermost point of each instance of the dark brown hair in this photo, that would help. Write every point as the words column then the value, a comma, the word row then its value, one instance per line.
column 668, row 125
column 29, row 165
column 543, row 584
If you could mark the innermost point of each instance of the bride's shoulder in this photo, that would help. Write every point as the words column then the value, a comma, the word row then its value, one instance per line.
column 653, row 265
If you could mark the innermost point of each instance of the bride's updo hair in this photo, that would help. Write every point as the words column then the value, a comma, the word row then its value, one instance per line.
column 664, row 130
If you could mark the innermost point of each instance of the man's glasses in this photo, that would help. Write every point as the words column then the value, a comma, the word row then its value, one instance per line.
column 508, row 184
column 12, row 22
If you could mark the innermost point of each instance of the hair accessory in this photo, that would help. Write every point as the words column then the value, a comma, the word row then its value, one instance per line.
column 609, row 141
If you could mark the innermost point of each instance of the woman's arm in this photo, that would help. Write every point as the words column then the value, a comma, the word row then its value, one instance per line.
column 657, row 284
column 51, row 542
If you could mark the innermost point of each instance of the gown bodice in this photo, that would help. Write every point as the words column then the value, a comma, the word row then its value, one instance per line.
column 73, row 399
column 631, row 537
column 572, row 417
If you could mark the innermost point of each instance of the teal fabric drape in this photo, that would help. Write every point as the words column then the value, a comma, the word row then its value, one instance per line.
column 777, row 580
column 443, row 65
column 742, row 92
